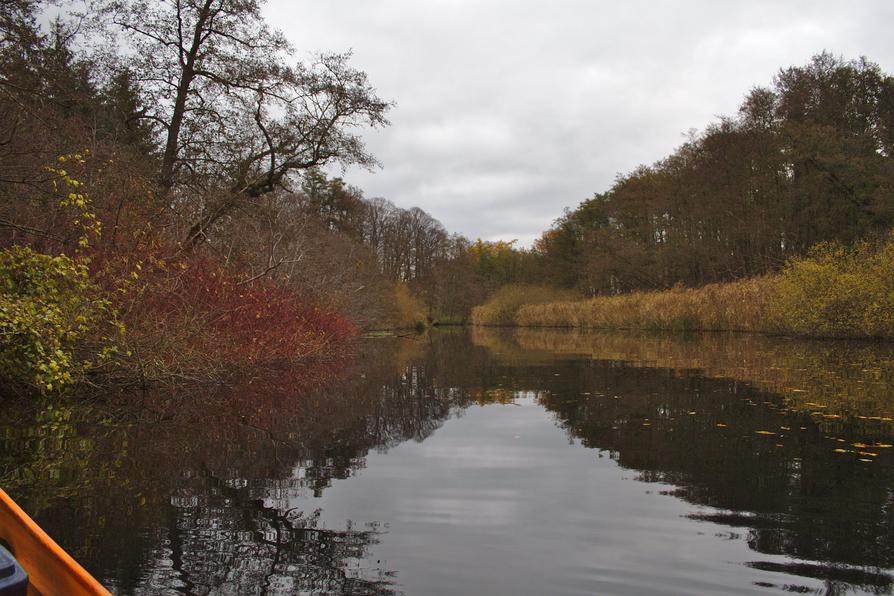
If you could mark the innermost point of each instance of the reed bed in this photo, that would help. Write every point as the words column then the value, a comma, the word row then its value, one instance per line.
column 834, row 291
column 502, row 307
column 735, row 306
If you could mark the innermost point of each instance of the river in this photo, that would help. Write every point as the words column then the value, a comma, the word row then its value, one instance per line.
column 484, row 462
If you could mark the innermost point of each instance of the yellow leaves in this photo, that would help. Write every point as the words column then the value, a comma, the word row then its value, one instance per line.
column 765, row 432
column 86, row 219
column 48, row 312
column 872, row 446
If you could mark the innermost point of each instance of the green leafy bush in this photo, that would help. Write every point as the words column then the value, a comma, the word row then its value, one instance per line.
column 48, row 310
column 837, row 291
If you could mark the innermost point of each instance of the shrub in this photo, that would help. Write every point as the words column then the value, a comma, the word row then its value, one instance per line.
column 837, row 291
column 49, row 309
column 196, row 319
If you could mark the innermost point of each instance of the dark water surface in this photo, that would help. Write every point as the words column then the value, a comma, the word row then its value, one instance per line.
column 484, row 462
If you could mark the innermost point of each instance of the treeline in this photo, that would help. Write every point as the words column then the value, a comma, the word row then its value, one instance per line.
column 806, row 160
column 163, row 209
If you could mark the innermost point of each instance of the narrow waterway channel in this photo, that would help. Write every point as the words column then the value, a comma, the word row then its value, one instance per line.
column 491, row 462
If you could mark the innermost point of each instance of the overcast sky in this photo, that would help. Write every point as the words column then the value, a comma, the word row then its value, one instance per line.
column 509, row 111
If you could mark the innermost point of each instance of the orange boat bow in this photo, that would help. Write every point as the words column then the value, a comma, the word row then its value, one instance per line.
column 50, row 569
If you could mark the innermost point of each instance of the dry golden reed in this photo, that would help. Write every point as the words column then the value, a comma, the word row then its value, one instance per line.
column 738, row 306
column 832, row 292
column 501, row 308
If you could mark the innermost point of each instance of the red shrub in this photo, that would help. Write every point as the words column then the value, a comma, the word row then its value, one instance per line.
column 194, row 317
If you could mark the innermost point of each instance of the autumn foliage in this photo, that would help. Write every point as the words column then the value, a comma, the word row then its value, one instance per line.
column 196, row 318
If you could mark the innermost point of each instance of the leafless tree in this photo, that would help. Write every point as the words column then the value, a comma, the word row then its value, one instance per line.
column 230, row 107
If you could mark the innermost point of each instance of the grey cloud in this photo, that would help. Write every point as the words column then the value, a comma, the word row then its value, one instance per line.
column 507, row 111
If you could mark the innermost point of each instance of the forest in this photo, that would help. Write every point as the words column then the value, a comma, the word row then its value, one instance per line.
column 168, row 209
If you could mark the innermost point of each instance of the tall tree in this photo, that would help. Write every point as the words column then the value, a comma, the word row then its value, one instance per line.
column 230, row 107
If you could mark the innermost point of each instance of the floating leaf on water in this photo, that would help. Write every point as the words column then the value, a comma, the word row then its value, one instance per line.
column 882, row 445
column 780, row 445
column 692, row 413
column 764, row 432
column 721, row 425
column 784, row 428
column 860, row 445
column 868, row 461
column 867, row 454
column 842, row 451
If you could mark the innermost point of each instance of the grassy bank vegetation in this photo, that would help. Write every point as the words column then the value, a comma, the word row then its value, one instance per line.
column 834, row 291
column 503, row 305
column 740, row 306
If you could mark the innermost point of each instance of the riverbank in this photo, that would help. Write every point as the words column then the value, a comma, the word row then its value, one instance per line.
column 832, row 292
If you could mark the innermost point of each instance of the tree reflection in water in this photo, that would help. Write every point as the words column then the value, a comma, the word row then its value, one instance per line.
column 194, row 491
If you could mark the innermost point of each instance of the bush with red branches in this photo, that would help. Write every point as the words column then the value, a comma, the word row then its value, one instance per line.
column 194, row 318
